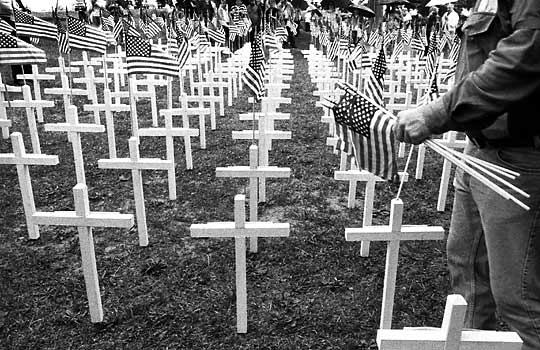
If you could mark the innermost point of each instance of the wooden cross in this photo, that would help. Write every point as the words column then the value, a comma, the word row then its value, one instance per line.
column 137, row 164
column 85, row 220
column 66, row 91
column 22, row 160
column 264, row 136
column 393, row 234
column 185, row 111
column 91, row 81
column 74, row 130
column 220, row 85
column 36, row 77
column 169, row 132
column 353, row 176
column 224, row 78
column 240, row 230
column 29, row 105
column 150, row 84
column 62, row 69
column 5, row 123
column 201, row 99
column 449, row 140
column 108, row 107
column 451, row 335
column 254, row 172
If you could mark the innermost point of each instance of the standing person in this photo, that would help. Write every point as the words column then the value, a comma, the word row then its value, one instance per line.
column 254, row 12
column 432, row 24
column 452, row 19
column 272, row 14
column 288, row 13
column 493, row 246
column 237, row 14
column 223, row 18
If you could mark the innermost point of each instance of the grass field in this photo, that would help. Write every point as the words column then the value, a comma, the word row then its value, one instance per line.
column 311, row 290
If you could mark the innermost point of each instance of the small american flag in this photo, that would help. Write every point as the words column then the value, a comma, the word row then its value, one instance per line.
column 417, row 44
column 454, row 56
column 183, row 51
column 85, row 37
column 107, row 21
column 355, row 56
column 333, row 50
column 375, row 39
column 217, row 35
column 118, row 29
column 129, row 29
column 398, row 48
column 271, row 42
column 375, row 83
column 281, row 33
column 15, row 51
column 406, row 36
column 150, row 28
column 204, row 44
column 254, row 75
column 5, row 27
column 432, row 55
column 371, row 131
column 63, row 42
column 28, row 25
column 433, row 92
column 145, row 58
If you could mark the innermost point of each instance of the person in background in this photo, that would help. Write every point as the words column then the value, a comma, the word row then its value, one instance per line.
column 272, row 14
column 307, row 21
column 493, row 247
column 297, row 19
column 223, row 18
column 432, row 24
column 254, row 12
column 452, row 19
column 288, row 13
column 237, row 14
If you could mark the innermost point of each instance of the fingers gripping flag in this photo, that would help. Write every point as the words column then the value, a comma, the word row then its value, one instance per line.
column 371, row 131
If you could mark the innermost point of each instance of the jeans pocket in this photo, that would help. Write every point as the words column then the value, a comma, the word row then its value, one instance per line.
column 526, row 160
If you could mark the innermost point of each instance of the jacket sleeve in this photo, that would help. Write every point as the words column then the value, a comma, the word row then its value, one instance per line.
column 510, row 74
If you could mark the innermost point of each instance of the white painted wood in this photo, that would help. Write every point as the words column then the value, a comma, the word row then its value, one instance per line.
column 240, row 229
column 29, row 105
column 393, row 234
column 169, row 132
column 450, row 336
column 62, row 69
column 136, row 164
column 74, row 130
column 22, row 160
column 254, row 172
column 449, row 140
column 84, row 220
column 108, row 107
column 36, row 77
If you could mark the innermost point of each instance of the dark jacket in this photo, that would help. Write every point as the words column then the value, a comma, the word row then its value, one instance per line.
column 497, row 87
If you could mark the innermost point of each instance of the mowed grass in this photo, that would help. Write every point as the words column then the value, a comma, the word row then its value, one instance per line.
column 311, row 290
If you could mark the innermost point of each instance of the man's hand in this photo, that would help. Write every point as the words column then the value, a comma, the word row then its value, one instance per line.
column 411, row 127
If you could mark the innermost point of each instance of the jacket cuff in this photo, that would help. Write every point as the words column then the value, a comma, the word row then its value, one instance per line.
column 436, row 117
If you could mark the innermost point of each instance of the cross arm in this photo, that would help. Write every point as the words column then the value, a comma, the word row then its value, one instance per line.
column 70, row 218
column 62, row 91
column 246, row 171
column 34, row 103
column 102, row 107
column 5, row 123
column 168, row 132
column 36, row 76
column 141, row 164
column 181, row 111
column 273, row 115
column 384, row 233
column 252, row 229
column 28, row 159
column 274, row 134
column 75, row 127
column 410, row 339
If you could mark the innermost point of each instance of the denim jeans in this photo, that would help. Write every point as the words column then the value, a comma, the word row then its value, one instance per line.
column 494, row 246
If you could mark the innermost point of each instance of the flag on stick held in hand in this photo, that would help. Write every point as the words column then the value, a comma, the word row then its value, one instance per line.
column 145, row 58
column 253, row 77
column 14, row 51
column 371, row 130
column 28, row 25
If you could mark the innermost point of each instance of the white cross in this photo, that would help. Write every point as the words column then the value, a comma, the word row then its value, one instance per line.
column 393, row 234
column 36, row 77
column 451, row 335
column 254, row 172
column 91, row 81
column 221, row 86
column 22, row 160
column 449, row 140
column 108, row 107
column 74, row 130
column 185, row 111
column 240, row 230
column 201, row 98
column 28, row 104
column 85, row 220
column 5, row 123
column 169, row 132
column 353, row 176
column 151, row 84
column 66, row 91
column 62, row 69
column 137, row 164
column 224, row 78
